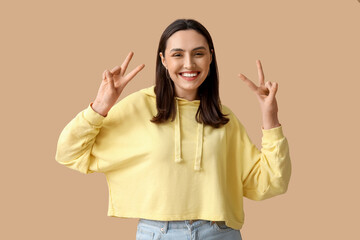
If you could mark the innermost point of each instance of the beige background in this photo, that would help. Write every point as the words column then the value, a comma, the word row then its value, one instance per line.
column 54, row 52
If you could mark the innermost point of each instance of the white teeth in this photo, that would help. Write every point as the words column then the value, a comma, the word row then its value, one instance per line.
column 189, row 74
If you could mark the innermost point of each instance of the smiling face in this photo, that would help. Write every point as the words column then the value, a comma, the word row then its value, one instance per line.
column 187, row 58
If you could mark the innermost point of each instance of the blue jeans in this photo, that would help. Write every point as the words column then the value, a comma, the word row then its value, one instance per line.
column 185, row 230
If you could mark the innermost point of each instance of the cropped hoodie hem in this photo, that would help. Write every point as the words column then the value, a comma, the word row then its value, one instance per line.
column 180, row 217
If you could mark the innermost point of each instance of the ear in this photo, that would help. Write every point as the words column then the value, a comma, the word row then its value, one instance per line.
column 163, row 60
column 212, row 52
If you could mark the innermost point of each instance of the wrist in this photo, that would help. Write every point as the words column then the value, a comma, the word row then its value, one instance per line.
column 270, row 121
column 100, row 109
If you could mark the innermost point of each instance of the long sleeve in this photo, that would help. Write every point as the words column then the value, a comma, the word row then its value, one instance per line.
column 77, row 139
column 264, row 173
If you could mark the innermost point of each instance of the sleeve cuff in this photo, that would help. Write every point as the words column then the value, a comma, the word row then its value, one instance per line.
column 93, row 117
column 273, row 134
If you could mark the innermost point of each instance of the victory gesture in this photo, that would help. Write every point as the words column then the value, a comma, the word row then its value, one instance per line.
column 112, row 84
column 265, row 93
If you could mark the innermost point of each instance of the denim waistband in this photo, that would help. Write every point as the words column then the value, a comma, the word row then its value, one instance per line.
column 177, row 224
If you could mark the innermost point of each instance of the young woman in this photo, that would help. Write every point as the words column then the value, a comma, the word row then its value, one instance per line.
column 173, row 155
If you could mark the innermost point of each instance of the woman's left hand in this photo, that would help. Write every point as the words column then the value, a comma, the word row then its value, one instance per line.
column 265, row 93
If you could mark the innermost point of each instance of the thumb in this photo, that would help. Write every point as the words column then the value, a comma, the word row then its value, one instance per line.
column 273, row 89
column 110, row 79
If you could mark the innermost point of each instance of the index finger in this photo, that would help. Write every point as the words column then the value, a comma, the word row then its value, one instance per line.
column 260, row 72
column 126, row 62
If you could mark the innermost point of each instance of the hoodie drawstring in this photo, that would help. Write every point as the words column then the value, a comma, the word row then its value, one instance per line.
column 199, row 144
column 177, row 135
column 199, row 141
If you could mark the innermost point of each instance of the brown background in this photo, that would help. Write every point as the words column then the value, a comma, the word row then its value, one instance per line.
column 54, row 52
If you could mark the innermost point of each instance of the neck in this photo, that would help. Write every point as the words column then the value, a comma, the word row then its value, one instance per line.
column 188, row 96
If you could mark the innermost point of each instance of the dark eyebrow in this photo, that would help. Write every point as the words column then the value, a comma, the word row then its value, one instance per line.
column 181, row 50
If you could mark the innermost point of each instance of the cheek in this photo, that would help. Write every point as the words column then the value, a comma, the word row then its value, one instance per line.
column 204, row 63
column 205, row 66
column 174, row 67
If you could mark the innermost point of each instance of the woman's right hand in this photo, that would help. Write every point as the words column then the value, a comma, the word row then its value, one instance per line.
column 112, row 84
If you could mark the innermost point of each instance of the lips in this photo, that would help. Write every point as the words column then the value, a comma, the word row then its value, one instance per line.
column 189, row 75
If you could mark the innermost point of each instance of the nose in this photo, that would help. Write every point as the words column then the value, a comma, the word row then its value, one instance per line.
column 189, row 62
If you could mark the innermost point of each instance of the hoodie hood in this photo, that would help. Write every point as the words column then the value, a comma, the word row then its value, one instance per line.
column 177, row 129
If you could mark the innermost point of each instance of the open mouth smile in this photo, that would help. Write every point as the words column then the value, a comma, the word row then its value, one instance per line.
column 189, row 76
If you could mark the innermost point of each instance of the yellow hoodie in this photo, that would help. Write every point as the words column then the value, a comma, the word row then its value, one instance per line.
column 179, row 170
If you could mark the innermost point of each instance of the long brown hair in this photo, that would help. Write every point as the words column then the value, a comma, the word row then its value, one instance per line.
column 209, row 111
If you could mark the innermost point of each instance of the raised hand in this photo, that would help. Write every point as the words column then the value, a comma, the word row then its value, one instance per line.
column 265, row 93
column 112, row 84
